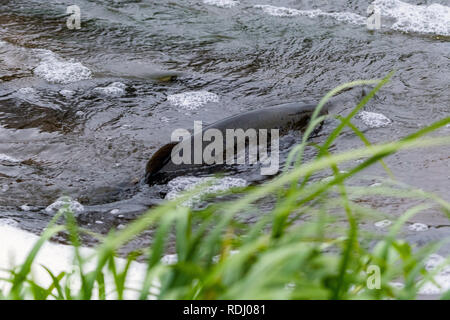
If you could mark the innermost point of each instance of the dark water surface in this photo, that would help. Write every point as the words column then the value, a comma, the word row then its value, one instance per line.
column 63, row 133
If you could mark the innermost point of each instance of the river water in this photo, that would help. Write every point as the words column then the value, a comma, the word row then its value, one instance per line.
column 82, row 110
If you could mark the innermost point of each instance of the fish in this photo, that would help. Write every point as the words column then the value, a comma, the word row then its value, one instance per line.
column 284, row 117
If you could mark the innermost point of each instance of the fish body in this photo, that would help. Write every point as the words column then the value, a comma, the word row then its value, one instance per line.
column 283, row 117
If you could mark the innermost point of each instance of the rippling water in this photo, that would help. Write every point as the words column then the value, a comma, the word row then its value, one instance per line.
column 81, row 111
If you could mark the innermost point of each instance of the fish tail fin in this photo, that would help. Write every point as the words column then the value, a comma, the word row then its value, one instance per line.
column 158, row 160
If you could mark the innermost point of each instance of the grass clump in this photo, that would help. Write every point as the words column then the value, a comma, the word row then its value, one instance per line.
column 310, row 245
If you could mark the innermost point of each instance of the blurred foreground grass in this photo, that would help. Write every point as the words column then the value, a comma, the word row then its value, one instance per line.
column 308, row 246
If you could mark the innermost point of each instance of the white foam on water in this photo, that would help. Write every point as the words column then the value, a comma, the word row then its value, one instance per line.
column 222, row 3
column 349, row 17
column 75, row 206
column 56, row 70
column 383, row 223
column 115, row 89
column 169, row 259
column 8, row 222
column 418, row 227
column 25, row 207
column 15, row 245
column 180, row 184
column 67, row 93
column 434, row 18
column 118, row 85
column 373, row 119
column 442, row 278
column 192, row 100
column 26, row 91
column 6, row 158
column 434, row 260
column 285, row 12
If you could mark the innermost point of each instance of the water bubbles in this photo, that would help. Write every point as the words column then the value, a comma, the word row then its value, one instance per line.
column 441, row 279
column 26, row 91
column 55, row 70
column 374, row 120
column 118, row 84
column 418, row 227
column 115, row 89
column 169, row 259
column 180, row 184
column 27, row 94
column 6, row 158
column 8, row 222
column 222, row 3
column 25, row 207
column 282, row 11
column 75, row 206
column 289, row 12
column 383, row 224
column 434, row 18
column 192, row 100
column 67, row 93
column 433, row 261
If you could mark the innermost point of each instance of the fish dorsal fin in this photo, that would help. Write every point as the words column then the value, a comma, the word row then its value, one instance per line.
column 159, row 158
